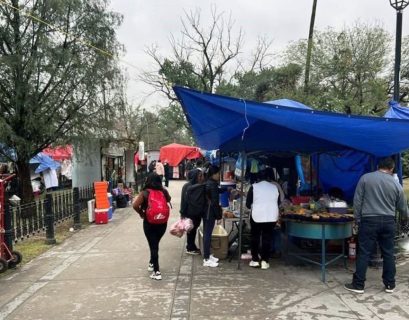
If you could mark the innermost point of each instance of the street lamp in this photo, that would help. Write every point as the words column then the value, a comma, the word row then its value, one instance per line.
column 398, row 5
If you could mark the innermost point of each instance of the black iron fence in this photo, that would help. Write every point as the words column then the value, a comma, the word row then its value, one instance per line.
column 41, row 215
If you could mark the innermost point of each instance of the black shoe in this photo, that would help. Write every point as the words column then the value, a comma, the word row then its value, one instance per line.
column 351, row 287
column 193, row 252
column 389, row 289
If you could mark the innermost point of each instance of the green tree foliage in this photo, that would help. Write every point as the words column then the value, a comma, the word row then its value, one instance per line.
column 404, row 84
column 57, row 73
column 347, row 69
column 267, row 84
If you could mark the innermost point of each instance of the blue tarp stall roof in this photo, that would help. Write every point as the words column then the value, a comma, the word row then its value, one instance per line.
column 288, row 103
column 45, row 162
column 395, row 111
column 218, row 122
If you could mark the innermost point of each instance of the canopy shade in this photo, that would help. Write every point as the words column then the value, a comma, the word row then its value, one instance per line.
column 45, row 162
column 59, row 153
column 230, row 124
column 174, row 153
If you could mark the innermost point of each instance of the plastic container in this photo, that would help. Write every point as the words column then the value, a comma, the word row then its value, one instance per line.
column 111, row 207
column 219, row 246
column 224, row 197
column 91, row 210
column 101, row 216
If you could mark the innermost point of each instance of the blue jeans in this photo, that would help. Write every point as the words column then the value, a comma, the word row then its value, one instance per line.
column 379, row 229
column 208, row 226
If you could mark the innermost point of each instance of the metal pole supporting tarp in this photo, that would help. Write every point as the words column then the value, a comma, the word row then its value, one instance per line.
column 244, row 159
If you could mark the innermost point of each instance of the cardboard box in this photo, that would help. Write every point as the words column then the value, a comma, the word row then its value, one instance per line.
column 220, row 242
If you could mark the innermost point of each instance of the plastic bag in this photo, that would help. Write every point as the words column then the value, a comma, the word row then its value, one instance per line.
column 241, row 158
column 181, row 226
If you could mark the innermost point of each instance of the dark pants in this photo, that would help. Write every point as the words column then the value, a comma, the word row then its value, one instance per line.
column 191, row 236
column 264, row 231
column 208, row 226
column 167, row 180
column 379, row 229
column 153, row 233
column 276, row 246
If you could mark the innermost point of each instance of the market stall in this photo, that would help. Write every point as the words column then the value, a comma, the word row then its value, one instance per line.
column 237, row 125
column 175, row 154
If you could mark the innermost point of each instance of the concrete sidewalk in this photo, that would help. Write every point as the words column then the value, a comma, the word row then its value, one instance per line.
column 101, row 273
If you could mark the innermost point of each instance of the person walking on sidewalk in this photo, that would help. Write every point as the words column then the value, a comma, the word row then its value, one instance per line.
column 159, row 169
column 167, row 173
column 192, row 206
column 213, row 212
column 153, row 231
column 263, row 199
column 377, row 197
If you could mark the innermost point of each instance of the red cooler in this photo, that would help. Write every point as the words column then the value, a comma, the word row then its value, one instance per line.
column 101, row 216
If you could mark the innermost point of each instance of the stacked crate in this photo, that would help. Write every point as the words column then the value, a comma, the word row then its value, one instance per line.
column 102, row 204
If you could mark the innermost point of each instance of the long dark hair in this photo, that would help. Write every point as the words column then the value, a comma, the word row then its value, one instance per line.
column 193, row 175
column 153, row 181
column 210, row 170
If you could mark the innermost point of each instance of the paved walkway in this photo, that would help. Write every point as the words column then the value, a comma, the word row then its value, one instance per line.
column 100, row 273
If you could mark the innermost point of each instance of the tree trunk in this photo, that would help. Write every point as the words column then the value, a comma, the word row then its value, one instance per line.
column 24, row 177
column 309, row 48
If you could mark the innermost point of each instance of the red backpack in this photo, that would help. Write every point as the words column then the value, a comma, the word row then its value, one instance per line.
column 158, row 210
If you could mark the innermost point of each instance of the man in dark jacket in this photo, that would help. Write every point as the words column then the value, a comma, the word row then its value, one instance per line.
column 377, row 198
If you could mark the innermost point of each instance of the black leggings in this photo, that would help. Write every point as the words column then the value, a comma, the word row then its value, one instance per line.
column 153, row 233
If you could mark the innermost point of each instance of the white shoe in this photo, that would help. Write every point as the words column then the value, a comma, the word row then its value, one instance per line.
column 150, row 267
column 156, row 275
column 254, row 264
column 210, row 263
column 213, row 258
column 265, row 265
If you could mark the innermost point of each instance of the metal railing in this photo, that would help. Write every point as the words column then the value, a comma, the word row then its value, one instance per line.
column 41, row 215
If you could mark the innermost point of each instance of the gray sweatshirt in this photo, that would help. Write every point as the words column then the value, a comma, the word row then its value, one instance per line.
column 378, row 194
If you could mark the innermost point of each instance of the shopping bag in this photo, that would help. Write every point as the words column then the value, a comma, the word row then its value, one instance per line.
column 180, row 227
column 177, row 228
column 187, row 224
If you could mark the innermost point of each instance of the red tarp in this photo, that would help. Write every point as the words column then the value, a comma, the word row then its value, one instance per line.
column 174, row 153
column 59, row 153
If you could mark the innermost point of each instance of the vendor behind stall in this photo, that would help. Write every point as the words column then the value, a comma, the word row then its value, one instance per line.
column 263, row 199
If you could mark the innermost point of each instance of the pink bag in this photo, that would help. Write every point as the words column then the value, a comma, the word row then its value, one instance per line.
column 181, row 226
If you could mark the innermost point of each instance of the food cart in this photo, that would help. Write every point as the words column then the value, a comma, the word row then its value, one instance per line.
column 238, row 125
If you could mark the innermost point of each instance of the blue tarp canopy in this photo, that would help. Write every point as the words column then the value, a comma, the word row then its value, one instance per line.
column 289, row 103
column 45, row 162
column 230, row 124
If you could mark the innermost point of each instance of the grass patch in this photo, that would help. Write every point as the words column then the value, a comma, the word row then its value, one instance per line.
column 35, row 245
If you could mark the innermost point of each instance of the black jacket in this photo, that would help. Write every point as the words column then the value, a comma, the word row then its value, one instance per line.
column 213, row 209
column 183, row 200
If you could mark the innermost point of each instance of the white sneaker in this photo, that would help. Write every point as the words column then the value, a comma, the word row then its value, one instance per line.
column 254, row 264
column 213, row 258
column 210, row 263
column 150, row 267
column 156, row 275
column 265, row 265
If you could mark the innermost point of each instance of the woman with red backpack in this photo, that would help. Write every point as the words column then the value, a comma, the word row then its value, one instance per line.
column 152, row 206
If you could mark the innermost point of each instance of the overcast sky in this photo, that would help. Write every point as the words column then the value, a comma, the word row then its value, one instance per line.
column 148, row 22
